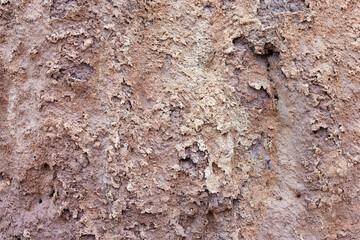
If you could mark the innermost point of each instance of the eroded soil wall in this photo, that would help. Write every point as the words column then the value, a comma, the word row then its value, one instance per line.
column 188, row 119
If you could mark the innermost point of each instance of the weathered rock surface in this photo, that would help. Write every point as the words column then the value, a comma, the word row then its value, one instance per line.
column 201, row 119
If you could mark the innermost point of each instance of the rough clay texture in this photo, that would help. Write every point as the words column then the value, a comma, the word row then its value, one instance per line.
column 188, row 119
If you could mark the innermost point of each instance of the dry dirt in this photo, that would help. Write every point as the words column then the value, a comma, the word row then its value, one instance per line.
column 187, row 119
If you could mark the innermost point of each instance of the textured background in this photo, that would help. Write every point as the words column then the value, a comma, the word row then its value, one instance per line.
column 188, row 119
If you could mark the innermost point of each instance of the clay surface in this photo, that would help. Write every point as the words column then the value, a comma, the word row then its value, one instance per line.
column 180, row 119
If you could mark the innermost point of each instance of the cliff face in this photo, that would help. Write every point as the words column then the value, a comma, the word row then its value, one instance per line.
column 201, row 119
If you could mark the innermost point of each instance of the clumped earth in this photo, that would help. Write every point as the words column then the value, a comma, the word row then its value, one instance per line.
column 187, row 119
